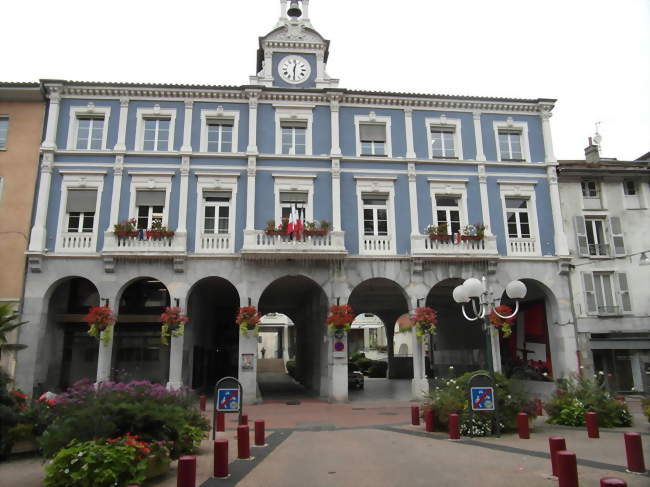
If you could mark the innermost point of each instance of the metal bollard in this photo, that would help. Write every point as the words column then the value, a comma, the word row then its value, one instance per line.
column 522, row 426
column 555, row 444
column 634, row 453
column 415, row 415
column 567, row 467
column 259, row 432
column 591, row 419
column 428, row 420
column 221, row 421
column 186, row 475
column 612, row 482
column 202, row 402
column 243, row 442
column 243, row 420
column 221, row 458
column 454, row 427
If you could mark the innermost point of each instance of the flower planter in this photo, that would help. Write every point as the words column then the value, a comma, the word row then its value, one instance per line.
column 275, row 232
column 315, row 233
column 160, row 235
column 126, row 234
column 442, row 238
column 471, row 237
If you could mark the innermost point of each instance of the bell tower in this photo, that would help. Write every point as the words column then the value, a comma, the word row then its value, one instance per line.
column 293, row 55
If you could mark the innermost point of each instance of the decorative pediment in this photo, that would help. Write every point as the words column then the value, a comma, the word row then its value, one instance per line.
column 293, row 32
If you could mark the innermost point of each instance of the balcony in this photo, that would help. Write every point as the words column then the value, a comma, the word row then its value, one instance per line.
column 376, row 245
column 77, row 242
column 609, row 311
column 599, row 250
column 257, row 244
column 423, row 246
column 524, row 247
column 215, row 243
column 139, row 244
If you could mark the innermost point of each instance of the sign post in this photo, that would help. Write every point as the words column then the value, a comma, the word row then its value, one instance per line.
column 482, row 398
column 228, row 397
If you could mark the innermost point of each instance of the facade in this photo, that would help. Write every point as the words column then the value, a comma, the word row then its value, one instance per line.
column 605, row 204
column 22, row 109
column 221, row 166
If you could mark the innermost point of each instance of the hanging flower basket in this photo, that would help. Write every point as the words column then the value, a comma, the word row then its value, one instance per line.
column 248, row 320
column 173, row 324
column 405, row 323
column 340, row 319
column 100, row 319
column 425, row 322
column 502, row 324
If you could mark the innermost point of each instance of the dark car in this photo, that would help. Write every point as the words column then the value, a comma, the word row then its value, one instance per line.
column 355, row 378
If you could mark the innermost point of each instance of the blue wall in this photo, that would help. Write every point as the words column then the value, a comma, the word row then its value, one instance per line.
column 349, row 212
column 266, row 129
column 322, row 131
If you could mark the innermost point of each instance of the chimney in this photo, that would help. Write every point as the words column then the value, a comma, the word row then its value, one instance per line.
column 591, row 153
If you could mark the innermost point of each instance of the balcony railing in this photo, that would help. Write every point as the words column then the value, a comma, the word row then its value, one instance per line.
column 423, row 246
column 77, row 242
column 258, row 244
column 522, row 247
column 377, row 245
column 609, row 310
column 141, row 245
column 214, row 243
column 599, row 250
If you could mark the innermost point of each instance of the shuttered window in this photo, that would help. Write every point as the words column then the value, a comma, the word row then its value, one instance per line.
column 373, row 139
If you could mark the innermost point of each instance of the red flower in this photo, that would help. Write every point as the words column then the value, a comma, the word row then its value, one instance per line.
column 248, row 315
column 173, row 316
column 340, row 315
column 100, row 316
column 504, row 311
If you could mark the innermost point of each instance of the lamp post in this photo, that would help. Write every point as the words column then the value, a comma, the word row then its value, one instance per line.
column 483, row 303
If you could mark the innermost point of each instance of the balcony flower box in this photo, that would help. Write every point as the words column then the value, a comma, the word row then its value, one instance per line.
column 440, row 237
column 315, row 233
column 125, row 234
column 274, row 231
column 471, row 237
column 160, row 234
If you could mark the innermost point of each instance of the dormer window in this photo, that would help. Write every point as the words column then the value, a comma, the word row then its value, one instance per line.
column 590, row 189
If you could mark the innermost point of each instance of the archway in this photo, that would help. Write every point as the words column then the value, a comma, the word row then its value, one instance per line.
column 73, row 353
column 304, row 302
column 138, row 352
column 212, row 335
column 458, row 343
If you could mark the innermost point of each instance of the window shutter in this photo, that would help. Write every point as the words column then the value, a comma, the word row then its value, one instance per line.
column 581, row 236
column 372, row 132
column 293, row 124
column 617, row 236
column 221, row 121
column 150, row 198
column 81, row 200
column 383, row 197
column 223, row 195
column 624, row 292
column 293, row 197
column 590, row 295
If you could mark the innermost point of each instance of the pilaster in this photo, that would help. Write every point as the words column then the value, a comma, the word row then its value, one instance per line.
column 187, row 127
column 181, row 230
column 561, row 245
column 413, row 200
column 121, row 130
column 334, row 116
column 118, row 170
column 485, row 204
column 478, row 135
column 336, row 194
column 408, row 123
column 250, row 193
column 253, row 100
column 37, row 241
column 549, row 155
column 52, row 118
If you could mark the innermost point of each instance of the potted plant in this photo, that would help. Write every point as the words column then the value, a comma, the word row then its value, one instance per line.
column 439, row 232
column 405, row 323
column 425, row 322
column 248, row 320
column 474, row 232
column 100, row 318
column 340, row 319
column 159, row 231
column 317, row 229
column 125, row 228
column 173, row 324
column 502, row 324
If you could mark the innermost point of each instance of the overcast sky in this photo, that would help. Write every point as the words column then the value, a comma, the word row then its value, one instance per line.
column 592, row 55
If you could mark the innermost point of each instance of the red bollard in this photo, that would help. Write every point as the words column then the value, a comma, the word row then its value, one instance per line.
column 634, row 452
column 202, row 403
column 428, row 420
column 186, row 474
column 243, row 420
column 555, row 444
column 221, row 421
column 591, row 419
column 522, row 426
column 454, row 428
column 567, row 467
column 612, row 482
column 415, row 415
column 221, row 458
column 243, row 442
column 538, row 407
column 259, row 432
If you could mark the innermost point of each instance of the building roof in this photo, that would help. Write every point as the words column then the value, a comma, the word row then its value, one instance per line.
column 20, row 91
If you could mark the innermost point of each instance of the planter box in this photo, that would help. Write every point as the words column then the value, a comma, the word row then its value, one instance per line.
column 471, row 237
column 126, row 234
column 443, row 238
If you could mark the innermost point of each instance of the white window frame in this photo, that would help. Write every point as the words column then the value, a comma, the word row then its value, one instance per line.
column 592, row 202
column 215, row 182
column 294, row 114
column 618, row 296
column 377, row 120
column 3, row 143
column 150, row 181
column 632, row 201
column 303, row 183
column 456, row 188
column 378, row 184
column 219, row 114
column 444, row 122
column 79, row 180
column 154, row 112
column 526, row 190
column 609, row 251
column 510, row 124
column 92, row 111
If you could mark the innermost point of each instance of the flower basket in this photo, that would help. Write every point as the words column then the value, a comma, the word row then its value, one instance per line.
column 474, row 232
column 315, row 233
column 502, row 324
column 425, row 320
column 100, row 319
column 125, row 234
column 248, row 320
column 405, row 323
column 274, row 232
column 160, row 234
column 471, row 237
column 173, row 324
column 440, row 237
column 340, row 319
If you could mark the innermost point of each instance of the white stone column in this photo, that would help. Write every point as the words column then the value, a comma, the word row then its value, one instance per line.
column 338, row 362
column 561, row 245
column 419, row 383
column 180, row 237
column 252, row 123
column 334, row 120
column 478, row 133
column 283, row 13
column 52, row 118
column 485, row 203
column 187, row 127
column 118, row 170
column 37, row 241
column 413, row 200
column 104, row 356
column 336, row 194
column 250, row 194
column 175, row 363
column 408, row 123
column 285, row 344
column 121, row 130
column 496, row 348
column 248, row 376
column 549, row 155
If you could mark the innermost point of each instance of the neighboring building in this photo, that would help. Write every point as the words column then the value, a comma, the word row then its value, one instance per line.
column 22, row 107
column 215, row 164
column 606, row 208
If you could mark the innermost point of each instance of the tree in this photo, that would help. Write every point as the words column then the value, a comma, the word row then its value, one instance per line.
column 9, row 321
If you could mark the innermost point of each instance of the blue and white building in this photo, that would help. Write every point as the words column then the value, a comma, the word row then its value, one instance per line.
column 215, row 164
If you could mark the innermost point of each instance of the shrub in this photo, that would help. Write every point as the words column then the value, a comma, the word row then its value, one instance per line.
column 574, row 397
column 378, row 369
column 364, row 364
column 9, row 416
column 291, row 368
column 357, row 356
column 646, row 407
column 452, row 396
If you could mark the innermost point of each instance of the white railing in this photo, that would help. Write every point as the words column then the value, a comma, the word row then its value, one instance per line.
column 522, row 246
column 257, row 242
column 77, row 242
column 138, row 245
column 422, row 245
column 217, row 243
column 376, row 245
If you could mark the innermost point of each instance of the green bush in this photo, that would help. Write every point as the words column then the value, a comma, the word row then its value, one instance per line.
column 356, row 356
column 452, row 396
column 574, row 397
column 378, row 369
column 646, row 407
column 9, row 416
column 291, row 368
column 364, row 365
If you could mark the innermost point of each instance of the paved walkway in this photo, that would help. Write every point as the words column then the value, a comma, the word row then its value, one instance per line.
column 358, row 444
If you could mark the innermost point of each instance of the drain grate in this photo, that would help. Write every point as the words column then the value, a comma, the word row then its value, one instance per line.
column 292, row 403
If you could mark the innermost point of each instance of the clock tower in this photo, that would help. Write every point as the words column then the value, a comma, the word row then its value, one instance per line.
column 293, row 54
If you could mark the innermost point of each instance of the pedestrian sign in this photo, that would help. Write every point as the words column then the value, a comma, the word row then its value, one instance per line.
column 482, row 398
column 228, row 400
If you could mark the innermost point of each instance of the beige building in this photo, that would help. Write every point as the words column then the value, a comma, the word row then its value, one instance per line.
column 21, row 126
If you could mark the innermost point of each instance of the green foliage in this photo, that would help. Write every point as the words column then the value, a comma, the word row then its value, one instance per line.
column 574, row 397
column 378, row 369
column 9, row 416
column 364, row 364
column 291, row 368
column 357, row 356
column 646, row 407
column 9, row 321
column 452, row 396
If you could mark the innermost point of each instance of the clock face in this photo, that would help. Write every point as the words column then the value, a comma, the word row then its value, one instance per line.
column 294, row 69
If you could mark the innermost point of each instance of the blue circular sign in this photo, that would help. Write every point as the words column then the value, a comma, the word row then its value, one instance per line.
column 339, row 346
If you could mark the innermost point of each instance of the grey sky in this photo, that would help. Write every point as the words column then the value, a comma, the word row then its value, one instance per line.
column 592, row 55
